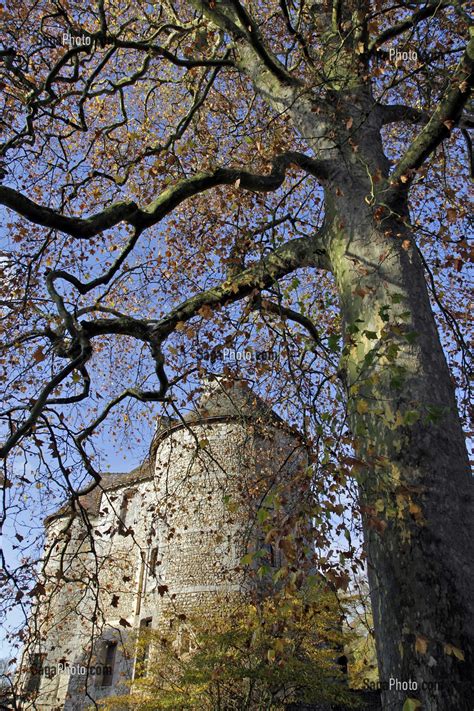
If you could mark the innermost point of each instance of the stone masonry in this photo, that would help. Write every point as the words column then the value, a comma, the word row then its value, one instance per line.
column 148, row 547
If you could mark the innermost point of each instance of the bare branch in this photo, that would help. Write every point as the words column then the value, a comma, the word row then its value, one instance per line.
column 401, row 112
column 442, row 121
column 399, row 28
column 129, row 212
column 234, row 19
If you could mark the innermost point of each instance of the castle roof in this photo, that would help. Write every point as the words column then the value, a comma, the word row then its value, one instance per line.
column 229, row 398
column 222, row 398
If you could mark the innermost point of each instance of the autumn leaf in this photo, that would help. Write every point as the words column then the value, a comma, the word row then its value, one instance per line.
column 414, row 509
column 421, row 644
column 206, row 311
column 38, row 355
column 247, row 559
column 411, row 705
column 362, row 406
column 124, row 623
column 452, row 650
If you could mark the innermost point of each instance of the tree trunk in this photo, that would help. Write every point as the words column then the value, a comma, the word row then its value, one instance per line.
column 416, row 490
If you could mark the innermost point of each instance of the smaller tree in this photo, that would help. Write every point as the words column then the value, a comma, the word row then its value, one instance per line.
column 265, row 654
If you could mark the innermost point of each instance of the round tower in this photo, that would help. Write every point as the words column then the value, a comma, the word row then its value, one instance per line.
column 168, row 541
column 214, row 473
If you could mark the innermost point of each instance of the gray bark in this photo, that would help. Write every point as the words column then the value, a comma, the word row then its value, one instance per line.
column 417, row 491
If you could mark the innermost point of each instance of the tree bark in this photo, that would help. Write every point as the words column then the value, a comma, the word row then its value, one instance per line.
column 416, row 490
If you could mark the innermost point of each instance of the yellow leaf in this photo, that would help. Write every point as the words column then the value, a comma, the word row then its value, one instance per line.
column 414, row 508
column 453, row 651
column 421, row 644
column 411, row 705
column 362, row 406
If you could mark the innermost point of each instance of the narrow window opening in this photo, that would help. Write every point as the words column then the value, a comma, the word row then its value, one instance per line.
column 124, row 507
column 153, row 561
column 33, row 680
column 108, row 668
column 143, row 653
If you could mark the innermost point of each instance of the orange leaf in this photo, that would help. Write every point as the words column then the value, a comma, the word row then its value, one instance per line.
column 421, row 644
column 205, row 311
column 38, row 355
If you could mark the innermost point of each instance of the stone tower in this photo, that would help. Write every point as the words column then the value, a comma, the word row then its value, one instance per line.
column 149, row 547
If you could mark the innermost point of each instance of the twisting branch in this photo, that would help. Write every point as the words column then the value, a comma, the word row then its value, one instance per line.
column 297, row 253
column 158, row 50
column 293, row 31
column 136, row 394
column 85, row 287
column 399, row 28
column 168, row 200
column 441, row 122
column 41, row 402
column 234, row 19
column 82, row 228
column 392, row 113
column 291, row 315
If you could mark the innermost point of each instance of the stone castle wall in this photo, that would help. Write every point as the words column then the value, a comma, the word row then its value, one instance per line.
column 164, row 543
